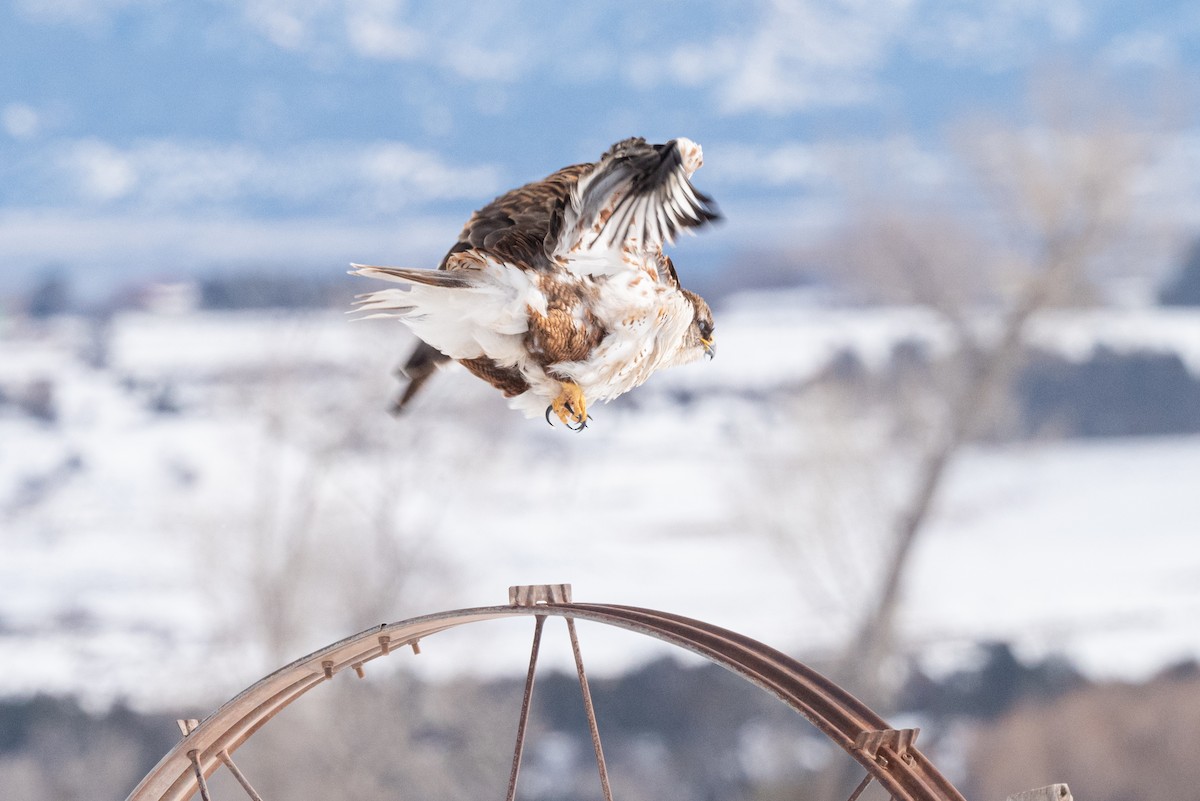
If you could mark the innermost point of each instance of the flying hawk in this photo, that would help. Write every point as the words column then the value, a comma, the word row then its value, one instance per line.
column 558, row 293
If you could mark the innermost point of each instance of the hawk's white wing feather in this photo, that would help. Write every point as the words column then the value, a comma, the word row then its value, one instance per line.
column 465, row 314
column 638, row 195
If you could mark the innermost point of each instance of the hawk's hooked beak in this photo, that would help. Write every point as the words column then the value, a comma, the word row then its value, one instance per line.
column 710, row 347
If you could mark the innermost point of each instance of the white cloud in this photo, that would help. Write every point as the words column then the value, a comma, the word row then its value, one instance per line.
column 772, row 56
column 481, row 61
column 21, row 121
column 1170, row 189
column 783, row 164
column 288, row 24
column 463, row 42
column 996, row 35
column 284, row 30
column 377, row 178
column 788, row 56
column 393, row 167
column 382, row 36
column 137, row 244
column 829, row 167
column 478, row 42
column 99, row 171
column 1143, row 49
column 486, row 42
column 784, row 56
column 78, row 12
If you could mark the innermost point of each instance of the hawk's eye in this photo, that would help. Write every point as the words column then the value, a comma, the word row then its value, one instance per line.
column 706, row 329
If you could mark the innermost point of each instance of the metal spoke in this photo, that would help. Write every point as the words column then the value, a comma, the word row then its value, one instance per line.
column 237, row 774
column 589, row 710
column 519, row 747
column 861, row 786
column 195, row 757
column 188, row 726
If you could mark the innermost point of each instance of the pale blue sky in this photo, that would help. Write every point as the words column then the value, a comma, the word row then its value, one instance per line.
column 143, row 138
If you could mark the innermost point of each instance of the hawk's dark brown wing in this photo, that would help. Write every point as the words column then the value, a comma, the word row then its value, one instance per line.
column 513, row 227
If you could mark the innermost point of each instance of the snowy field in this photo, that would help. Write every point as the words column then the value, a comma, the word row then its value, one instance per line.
column 220, row 494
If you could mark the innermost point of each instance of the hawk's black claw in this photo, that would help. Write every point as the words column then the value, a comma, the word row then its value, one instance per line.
column 548, row 420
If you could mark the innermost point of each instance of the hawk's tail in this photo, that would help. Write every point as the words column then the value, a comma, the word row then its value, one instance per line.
column 433, row 307
column 414, row 307
column 408, row 275
column 422, row 363
column 391, row 302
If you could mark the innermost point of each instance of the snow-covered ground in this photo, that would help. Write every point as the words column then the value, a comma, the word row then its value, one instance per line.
column 224, row 493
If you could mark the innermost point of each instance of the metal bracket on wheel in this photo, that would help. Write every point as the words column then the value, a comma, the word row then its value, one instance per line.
column 534, row 594
column 898, row 741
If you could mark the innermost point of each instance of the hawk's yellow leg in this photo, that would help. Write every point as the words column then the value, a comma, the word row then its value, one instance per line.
column 570, row 405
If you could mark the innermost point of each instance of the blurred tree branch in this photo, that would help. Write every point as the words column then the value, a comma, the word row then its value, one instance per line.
column 1046, row 202
column 1024, row 224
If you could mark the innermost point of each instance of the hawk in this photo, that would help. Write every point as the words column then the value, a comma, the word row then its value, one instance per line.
column 558, row 293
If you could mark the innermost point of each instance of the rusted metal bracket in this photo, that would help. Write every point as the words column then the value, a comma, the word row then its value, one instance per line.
column 897, row 741
column 534, row 594
column 1053, row 792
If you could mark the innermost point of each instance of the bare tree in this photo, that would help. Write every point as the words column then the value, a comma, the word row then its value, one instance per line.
column 1024, row 218
column 1056, row 199
column 1029, row 217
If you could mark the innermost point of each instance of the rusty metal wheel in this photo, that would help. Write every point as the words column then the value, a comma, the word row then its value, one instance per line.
column 888, row 756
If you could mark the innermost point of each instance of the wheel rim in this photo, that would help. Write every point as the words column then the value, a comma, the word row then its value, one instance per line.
column 887, row 755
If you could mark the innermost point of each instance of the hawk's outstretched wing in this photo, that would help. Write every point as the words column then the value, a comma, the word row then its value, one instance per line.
column 637, row 193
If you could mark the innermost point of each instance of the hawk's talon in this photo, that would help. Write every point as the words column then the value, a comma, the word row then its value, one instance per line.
column 570, row 406
column 549, row 409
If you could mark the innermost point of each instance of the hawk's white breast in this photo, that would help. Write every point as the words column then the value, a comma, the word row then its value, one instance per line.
column 646, row 323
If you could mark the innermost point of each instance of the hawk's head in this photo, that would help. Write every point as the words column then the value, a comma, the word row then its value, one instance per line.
column 699, row 340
